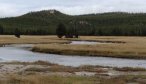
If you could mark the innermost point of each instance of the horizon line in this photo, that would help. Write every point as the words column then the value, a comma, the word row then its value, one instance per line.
column 74, row 14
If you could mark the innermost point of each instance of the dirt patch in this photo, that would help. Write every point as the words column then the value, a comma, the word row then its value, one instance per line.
column 33, row 73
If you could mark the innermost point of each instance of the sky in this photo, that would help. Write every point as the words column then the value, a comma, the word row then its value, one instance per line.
column 10, row 8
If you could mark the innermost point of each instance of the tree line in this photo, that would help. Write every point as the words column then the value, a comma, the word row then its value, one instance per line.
column 106, row 24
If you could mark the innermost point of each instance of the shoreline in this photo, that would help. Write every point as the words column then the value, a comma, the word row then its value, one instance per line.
column 34, row 72
column 85, row 53
column 43, row 66
column 120, row 47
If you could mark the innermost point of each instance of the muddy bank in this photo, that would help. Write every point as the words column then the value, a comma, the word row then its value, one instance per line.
column 30, row 72
column 43, row 67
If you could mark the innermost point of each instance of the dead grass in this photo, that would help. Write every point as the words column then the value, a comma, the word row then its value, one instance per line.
column 31, row 63
column 59, row 68
column 134, row 47
column 39, row 79
column 129, row 69
column 123, row 47
column 66, row 69
column 9, row 39
column 56, row 68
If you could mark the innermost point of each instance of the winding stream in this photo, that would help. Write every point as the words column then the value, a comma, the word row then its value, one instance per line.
column 22, row 54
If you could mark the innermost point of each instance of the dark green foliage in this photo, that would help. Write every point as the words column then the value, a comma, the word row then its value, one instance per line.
column 106, row 24
column 76, row 36
column 17, row 33
column 61, row 30
column 1, row 29
column 72, row 31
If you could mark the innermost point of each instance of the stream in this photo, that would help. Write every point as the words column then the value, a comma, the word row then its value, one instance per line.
column 22, row 53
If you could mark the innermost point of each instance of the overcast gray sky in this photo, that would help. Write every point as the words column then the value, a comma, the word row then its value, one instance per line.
column 73, row 7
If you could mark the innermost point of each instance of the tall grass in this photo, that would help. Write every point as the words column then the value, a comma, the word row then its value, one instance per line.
column 54, row 79
column 134, row 47
column 9, row 39
column 38, row 79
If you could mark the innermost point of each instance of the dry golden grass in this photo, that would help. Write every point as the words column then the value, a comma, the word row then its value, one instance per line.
column 58, row 68
column 129, row 69
column 39, row 79
column 134, row 47
column 30, row 63
column 51, row 67
column 9, row 39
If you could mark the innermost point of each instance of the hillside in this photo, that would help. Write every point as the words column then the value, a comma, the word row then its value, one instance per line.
column 45, row 23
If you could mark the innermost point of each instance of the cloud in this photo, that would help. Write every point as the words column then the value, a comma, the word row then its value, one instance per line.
column 77, row 10
column 73, row 7
column 7, row 10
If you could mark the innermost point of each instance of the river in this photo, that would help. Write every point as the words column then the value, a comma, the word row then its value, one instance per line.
column 22, row 53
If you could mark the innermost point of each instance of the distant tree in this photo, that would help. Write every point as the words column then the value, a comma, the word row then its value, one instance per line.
column 116, row 32
column 61, row 30
column 1, row 29
column 72, row 31
column 100, row 32
column 17, row 33
column 76, row 36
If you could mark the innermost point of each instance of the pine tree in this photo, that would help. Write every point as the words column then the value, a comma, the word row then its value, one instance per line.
column 61, row 30
column 17, row 33
column 1, row 29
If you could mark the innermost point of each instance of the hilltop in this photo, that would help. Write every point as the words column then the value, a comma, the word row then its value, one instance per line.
column 45, row 23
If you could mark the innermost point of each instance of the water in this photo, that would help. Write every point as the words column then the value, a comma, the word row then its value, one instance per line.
column 19, row 53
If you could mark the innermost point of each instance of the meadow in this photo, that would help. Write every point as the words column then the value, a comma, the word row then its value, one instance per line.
column 120, row 47
column 41, row 72
column 38, row 79
column 113, row 46
column 47, row 73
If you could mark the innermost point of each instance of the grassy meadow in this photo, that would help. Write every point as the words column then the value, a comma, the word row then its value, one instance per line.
column 39, row 79
column 120, row 47
column 10, row 39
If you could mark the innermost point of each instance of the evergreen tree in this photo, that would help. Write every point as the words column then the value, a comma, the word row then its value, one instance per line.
column 61, row 30
column 1, row 29
column 17, row 33
column 44, row 23
column 100, row 32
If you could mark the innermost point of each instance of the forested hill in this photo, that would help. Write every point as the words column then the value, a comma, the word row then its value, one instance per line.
column 45, row 22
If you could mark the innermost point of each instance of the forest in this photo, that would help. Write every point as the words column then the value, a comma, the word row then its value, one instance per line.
column 104, row 24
